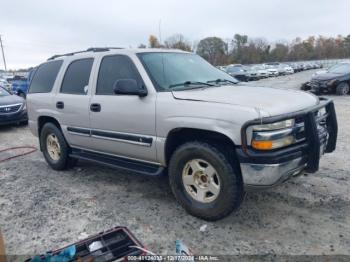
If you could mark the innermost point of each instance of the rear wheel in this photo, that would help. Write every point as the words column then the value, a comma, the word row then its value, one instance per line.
column 342, row 89
column 55, row 148
column 205, row 181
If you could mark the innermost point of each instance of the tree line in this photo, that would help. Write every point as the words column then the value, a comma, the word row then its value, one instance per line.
column 242, row 49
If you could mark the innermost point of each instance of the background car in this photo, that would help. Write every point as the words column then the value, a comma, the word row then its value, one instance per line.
column 286, row 69
column 238, row 72
column 252, row 73
column 20, row 84
column 261, row 71
column 12, row 108
column 5, row 84
column 272, row 70
column 335, row 80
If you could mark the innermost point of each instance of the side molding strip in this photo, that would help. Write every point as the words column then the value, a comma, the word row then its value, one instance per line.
column 121, row 137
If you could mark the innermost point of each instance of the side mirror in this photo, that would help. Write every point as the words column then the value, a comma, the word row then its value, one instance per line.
column 128, row 87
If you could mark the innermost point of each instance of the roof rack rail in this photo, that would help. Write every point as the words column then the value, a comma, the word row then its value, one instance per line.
column 91, row 49
column 101, row 49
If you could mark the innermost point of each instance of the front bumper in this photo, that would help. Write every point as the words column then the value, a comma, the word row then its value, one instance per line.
column 7, row 119
column 268, row 175
column 266, row 169
column 321, row 86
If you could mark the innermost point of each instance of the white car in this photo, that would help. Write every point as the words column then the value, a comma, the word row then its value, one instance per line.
column 272, row 70
column 287, row 69
column 261, row 71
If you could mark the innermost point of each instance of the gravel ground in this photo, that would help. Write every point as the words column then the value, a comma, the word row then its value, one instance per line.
column 41, row 209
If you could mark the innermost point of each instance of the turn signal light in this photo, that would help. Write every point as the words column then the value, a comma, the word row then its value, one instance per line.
column 273, row 144
column 262, row 145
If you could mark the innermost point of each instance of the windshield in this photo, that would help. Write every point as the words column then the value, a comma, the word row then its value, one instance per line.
column 176, row 70
column 340, row 69
column 3, row 92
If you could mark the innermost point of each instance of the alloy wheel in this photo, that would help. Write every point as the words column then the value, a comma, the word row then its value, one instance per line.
column 201, row 180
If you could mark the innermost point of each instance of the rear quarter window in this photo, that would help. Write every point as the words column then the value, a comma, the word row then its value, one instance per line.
column 44, row 77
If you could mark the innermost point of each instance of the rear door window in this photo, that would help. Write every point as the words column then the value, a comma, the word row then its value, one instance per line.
column 76, row 78
column 44, row 77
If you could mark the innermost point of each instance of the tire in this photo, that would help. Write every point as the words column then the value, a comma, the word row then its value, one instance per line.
column 305, row 87
column 231, row 191
column 342, row 89
column 59, row 161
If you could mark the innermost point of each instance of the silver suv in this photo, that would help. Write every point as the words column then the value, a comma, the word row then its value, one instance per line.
column 165, row 111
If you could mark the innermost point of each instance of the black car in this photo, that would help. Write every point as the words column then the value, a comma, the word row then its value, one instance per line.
column 238, row 72
column 12, row 108
column 335, row 80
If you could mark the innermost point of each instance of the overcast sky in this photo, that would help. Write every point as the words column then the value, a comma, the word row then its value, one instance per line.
column 34, row 30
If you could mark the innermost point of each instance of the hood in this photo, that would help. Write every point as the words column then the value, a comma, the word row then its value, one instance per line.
column 326, row 76
column 9, row 100
column 271, row 101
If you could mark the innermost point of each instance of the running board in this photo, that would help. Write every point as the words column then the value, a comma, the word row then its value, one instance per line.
column 118, row 162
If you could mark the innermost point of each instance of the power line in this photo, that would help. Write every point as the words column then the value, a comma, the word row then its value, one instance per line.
column 3, row 53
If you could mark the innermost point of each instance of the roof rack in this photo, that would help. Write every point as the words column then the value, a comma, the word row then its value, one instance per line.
column 91, row 49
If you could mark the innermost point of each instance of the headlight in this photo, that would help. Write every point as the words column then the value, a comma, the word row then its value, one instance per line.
column 24, row 106
column 275, row 126
column 274, row 135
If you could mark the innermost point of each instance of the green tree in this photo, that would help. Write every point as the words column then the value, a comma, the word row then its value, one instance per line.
column 213, row 49
column 178, row 41
column 346, row 45
column 279, row 52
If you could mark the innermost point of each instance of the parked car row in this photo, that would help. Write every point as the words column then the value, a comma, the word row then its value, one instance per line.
column 17, row 84
column 259, row 71
column 335, row 79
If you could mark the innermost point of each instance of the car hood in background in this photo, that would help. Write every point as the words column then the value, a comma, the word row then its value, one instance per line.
column 273, row 101
column 326, row 76
column 9, row 100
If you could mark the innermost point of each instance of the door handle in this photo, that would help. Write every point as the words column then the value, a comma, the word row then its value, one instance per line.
column 60, row 105
column 95, row 107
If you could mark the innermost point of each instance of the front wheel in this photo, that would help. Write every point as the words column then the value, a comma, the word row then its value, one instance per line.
column 205, row 181
column 342, row 89
column 55, row 148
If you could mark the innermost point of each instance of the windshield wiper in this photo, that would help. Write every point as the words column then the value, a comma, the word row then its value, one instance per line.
column 217, row 81
column 188, row 83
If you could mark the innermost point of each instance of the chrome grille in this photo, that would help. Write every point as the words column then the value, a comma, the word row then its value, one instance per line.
column 8, row 109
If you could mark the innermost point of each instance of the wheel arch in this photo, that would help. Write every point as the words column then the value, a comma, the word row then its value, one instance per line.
column 42, row 120
column 179, row 136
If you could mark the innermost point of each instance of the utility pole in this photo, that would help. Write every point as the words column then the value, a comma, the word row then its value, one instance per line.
column 159, row 30
column 3, row 53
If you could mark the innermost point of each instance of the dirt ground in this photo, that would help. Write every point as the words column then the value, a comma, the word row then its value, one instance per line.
column 41, row 209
